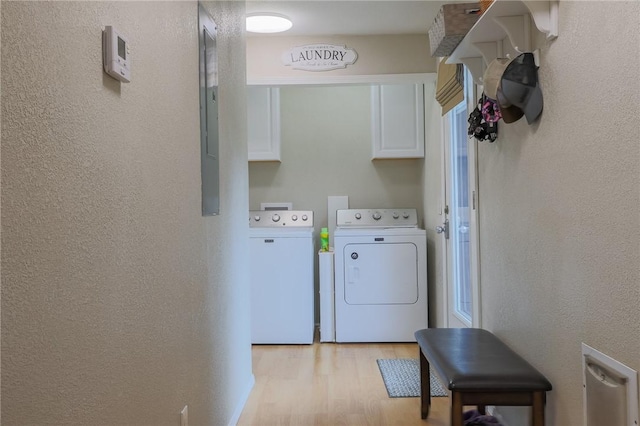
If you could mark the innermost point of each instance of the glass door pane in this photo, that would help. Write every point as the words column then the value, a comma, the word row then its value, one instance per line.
column 459, row 214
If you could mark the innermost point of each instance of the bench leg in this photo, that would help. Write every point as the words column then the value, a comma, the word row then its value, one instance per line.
column 456, row 409
column 425, row 386
column 537, row 409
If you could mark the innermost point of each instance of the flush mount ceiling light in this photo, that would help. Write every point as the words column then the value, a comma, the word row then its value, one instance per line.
column 267, row 23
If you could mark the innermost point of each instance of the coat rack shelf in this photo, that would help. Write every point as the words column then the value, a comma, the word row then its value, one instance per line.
column 505, row 29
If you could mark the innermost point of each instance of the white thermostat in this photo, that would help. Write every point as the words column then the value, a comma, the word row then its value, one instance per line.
column 116, row 56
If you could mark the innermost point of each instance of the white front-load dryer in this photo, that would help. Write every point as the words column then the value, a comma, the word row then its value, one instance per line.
column 380, row 276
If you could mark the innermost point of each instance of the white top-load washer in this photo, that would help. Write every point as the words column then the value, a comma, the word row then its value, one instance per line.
column 281, row 261
column 380, row 275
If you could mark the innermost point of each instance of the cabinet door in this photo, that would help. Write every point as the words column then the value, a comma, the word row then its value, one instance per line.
column 397, row 118
column 263, row 117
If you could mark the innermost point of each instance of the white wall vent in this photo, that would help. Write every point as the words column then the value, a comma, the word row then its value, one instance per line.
column 610, row 390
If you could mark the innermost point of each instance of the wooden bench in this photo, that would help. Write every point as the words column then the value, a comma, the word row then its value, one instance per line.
column 478, row 369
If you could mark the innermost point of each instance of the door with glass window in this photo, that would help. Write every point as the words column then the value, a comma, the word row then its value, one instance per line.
column 459, row 230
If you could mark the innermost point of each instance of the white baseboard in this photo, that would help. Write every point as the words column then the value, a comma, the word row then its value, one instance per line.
column 241, row 403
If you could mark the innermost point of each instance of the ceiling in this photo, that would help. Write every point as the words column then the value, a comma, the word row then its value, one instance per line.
column 360, row 17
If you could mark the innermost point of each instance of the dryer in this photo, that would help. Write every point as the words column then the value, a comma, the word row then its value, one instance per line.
column 380, row 275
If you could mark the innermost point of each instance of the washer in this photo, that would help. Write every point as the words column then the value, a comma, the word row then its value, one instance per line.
column 380, row 275
column 281, row 257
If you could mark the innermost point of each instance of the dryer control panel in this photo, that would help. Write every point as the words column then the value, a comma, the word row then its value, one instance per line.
column 375, row 218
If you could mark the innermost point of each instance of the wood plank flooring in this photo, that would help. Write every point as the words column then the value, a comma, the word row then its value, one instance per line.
column 331, row 384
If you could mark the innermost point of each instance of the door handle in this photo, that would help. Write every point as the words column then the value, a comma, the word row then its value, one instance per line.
column 444, row 229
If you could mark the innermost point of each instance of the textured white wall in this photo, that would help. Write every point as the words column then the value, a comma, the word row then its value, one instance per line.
column 559, row 207
column 401, row 54
column 120, row 303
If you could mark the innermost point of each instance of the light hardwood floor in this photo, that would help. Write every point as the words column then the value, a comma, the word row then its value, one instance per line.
column 331, row 384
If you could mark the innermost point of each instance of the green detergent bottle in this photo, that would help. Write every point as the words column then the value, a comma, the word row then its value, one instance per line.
column 324, row 239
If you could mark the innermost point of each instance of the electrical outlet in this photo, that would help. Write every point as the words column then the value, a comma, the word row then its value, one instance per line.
column 184, row 416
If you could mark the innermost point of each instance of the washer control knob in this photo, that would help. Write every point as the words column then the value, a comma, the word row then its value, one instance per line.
column 275, row 217
column 358, row 216
column 294, row 217
column 256, row 218
column 395, row 215
column 305, row 217
column 405, row 215
column 376, row 216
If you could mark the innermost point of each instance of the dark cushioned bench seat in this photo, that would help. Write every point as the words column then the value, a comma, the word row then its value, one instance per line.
column 478, row 369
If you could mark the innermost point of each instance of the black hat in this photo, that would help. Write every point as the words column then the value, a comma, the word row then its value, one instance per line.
column 519, row 87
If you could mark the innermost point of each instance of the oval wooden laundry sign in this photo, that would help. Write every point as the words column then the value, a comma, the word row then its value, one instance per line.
column 319, row 57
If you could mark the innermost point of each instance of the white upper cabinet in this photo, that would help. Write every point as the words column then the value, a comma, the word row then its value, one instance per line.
column 397, row 120
column 263, row 117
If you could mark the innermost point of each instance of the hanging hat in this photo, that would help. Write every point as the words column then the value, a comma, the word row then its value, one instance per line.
column 492, row 75
column 510, row 113
column 490, row 110
column 491, row 83
column 480, row 128
column 519, row 86
column 514, row 84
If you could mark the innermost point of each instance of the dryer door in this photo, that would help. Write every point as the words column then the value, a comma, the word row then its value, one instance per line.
column 380, row 274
